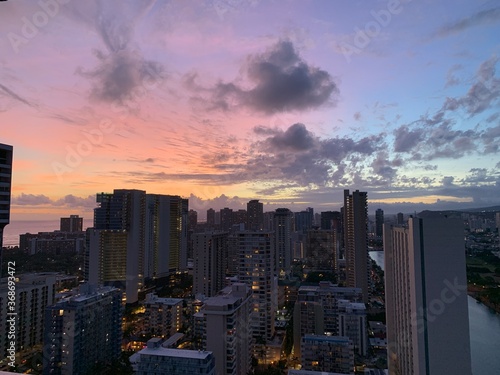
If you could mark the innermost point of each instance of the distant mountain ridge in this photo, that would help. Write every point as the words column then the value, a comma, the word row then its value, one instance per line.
column 485, row 211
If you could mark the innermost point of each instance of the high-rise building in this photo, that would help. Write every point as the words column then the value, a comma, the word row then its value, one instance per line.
column 355, row 240
column 257, row 264
column 303, row 220
column 73, row 223
column 319, row 249
column 6, row 154
column 426, row 297
column 255, row 215
column 210, row 262
column 34, row 292
column 269, row 221
column 352, row 324
column 143, row 235
column 55, row 242
column 211, row 218
column 166, row 235
column 226, row 219
column 120, row 211
column 318, row 308
column 83, row 330
column 162, row 316
column 379, row 222
column 105, row 261
column 308, row 317
column 192, row 219
column 226, row 329
column 400, row 218
column 328, row 218
column 233, row 255
column 283, row 241
column 240, row 218
column 155, row 359
column 327, row 353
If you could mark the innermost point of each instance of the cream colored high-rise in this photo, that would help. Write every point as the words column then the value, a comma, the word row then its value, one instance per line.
column 426, row 298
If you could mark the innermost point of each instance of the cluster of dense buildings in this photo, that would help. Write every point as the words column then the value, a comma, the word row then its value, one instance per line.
column 241, row 263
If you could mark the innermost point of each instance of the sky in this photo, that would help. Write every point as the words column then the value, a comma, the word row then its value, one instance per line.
column 223, row 101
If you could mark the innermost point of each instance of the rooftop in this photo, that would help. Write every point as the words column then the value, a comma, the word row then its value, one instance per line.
column 338, row 339
column 177, row 353
column 153, row 298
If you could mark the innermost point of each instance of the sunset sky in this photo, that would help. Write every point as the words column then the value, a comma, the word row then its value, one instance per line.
column 223, row 101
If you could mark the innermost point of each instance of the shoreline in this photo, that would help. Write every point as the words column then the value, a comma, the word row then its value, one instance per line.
column 474, row 294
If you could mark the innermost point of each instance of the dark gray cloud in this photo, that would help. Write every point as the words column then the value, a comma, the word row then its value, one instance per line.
column 451, row 79
column 296, row 155
column 66, row 201
column 119, row 74
column 30, row 200
column 11, row 94
column 281, row 80
column 483, row 17
column 440, row 136
column 293, row 157
column 406, row 139
column 483, row 93
column 384, row 167
column 336, row 149
column 121, row 70
column 264, row 130
column 70, row 119
column 295, row 138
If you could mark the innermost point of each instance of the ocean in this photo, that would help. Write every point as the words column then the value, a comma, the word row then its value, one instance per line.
column 15, row 228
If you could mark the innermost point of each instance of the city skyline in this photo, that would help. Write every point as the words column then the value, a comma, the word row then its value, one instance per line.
column 226, row 101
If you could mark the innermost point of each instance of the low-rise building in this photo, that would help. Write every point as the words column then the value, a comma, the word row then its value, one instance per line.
column 327, row 353
column 162, row 316
column 155, row 359
column 352, row 324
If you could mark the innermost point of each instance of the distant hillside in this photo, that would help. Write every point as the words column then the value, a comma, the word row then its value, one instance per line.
column 485, row 211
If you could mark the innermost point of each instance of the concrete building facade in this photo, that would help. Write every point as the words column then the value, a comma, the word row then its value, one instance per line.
column 34, row 292
column 257, row 265
column 210, row 258
column 83, row 330
column 355, row 240
column 73, row 223
column 283, row 241
column 426, row 297
column 327, row 353
column 155, row 359
column 224, row 323
column 162, row 317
